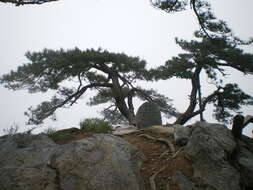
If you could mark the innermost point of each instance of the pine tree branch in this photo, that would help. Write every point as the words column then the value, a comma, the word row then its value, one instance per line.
column 80, row 92
column 201, row 23
column 111, row 106
column 26, row 2
column 70, row 99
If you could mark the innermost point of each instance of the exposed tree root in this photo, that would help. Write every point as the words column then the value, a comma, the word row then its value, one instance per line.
column 152, row 178
column 174, row 155
column 163, row 140
column 164, row 153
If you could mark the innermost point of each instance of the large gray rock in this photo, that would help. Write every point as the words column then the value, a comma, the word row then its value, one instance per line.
column 220, row 162
column 23, row 162
column 101, row 162
column 148, row 115
column 209, row 148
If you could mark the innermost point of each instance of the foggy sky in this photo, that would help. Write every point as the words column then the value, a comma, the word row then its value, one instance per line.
column 129, row 26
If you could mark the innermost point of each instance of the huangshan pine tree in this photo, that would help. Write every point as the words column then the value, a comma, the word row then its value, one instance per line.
column 212, row 56
column 113, row 76
column 215, row 49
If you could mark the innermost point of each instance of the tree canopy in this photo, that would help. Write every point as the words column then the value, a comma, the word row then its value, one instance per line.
column 112, row 75
column 213, row 58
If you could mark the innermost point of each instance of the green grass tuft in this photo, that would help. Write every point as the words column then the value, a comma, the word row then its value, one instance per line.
column 95, row 125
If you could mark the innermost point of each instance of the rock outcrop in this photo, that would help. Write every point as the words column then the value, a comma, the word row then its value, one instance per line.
column 219, row 161
column 103, row 162
column 148, row 115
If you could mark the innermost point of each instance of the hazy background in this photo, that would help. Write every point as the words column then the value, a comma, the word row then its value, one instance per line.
column 130, row 26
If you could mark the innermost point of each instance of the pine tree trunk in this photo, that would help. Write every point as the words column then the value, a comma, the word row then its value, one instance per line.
column 126, row 110
column 188, row 114
column 200, row 101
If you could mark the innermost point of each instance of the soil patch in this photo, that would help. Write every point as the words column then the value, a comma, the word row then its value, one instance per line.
column 159, row 158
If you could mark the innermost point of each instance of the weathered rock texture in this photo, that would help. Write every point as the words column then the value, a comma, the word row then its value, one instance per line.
column 147, row 115
column 245, row 160
column 219, row 162
column 103, row 162
column 181, row 134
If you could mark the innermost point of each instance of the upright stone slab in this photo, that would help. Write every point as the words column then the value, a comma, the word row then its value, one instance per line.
column 147, row 115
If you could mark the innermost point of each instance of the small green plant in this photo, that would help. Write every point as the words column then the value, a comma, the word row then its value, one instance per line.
column 50, row 131
column 95, row 125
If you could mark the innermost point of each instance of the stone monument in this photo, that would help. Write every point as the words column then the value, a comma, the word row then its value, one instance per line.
column 148, row 115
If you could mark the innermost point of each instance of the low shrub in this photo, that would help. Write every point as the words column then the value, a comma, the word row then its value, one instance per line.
column 58, row 135
column 95, row 125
